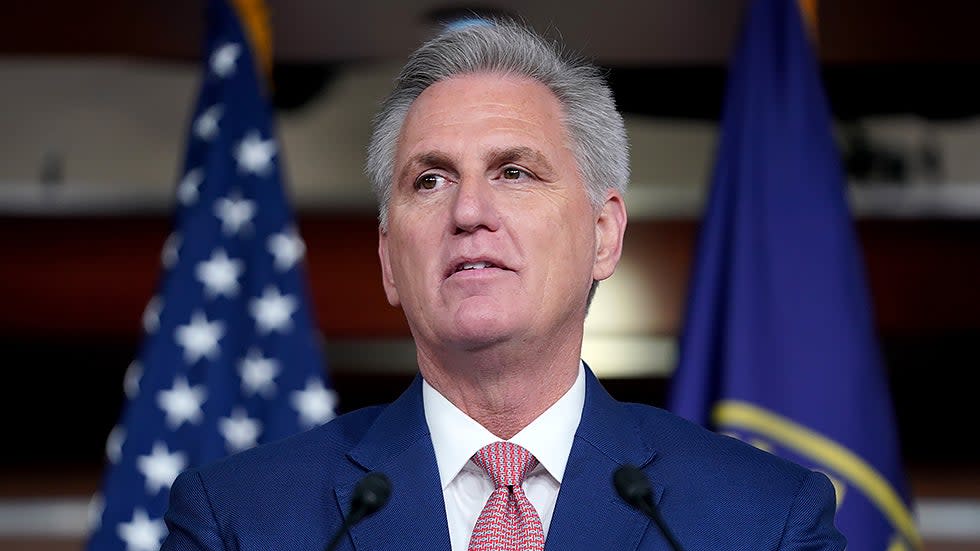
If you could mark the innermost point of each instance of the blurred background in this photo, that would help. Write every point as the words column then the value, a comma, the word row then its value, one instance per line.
column 94, row 109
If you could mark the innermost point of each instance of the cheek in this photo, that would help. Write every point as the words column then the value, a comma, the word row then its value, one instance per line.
column 412, row 258
column 569, row 249
column 576, row 231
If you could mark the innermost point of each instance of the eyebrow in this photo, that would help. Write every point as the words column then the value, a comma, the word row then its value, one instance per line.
column 427, row 159
column 517, row 154
column 520, row 154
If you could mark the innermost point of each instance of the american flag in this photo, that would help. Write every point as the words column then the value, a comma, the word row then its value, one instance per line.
column 230, row 357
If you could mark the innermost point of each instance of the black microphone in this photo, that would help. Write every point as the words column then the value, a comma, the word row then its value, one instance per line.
column 370, row 495
column 635, row 490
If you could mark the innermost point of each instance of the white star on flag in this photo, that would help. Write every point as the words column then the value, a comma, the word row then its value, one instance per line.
column 151, row 315
column 273, row 311
column 257, row 373
column 314, row 403
column 182, row 402
column 220, row 274
column 142, row 533
column 224, row 58
column 114, row 443
column 254, row 155
column 160, row 467
column 206, row 125
column 131, row 381
column 287, row 248
column 187, row 189
column 200, row 337
column 234, row 212
column 240, row 432
column 171, row 248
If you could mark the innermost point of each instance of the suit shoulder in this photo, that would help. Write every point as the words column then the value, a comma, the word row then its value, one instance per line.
column 683, row 442
column 729, row 485
column 274, row 488
column 319, row 449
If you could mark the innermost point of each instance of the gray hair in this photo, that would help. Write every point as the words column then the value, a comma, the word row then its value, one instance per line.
column 593, row 124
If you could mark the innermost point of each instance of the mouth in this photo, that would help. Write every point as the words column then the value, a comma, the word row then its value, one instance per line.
column 474, row 266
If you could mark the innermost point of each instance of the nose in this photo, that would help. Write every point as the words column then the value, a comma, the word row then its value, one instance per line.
column 475, row 206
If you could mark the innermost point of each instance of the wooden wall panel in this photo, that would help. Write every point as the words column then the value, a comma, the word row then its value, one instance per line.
column 73, row 291
column 924, row 275
column 92, row 276
column 345, row 276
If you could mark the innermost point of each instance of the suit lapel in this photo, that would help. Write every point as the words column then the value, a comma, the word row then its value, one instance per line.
column 398, row 444
column 589, row 514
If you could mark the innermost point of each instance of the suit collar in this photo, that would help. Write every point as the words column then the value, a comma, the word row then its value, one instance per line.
column 456, row 436
column 610, row 428
column 398, row 445
column 399, row 427
column 608, row 437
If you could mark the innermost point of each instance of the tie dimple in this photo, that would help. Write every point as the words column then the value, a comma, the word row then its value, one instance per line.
column 508, row 521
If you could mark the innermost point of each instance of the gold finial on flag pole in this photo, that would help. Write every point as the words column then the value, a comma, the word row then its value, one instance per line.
column 254, row 16
column 808, row 8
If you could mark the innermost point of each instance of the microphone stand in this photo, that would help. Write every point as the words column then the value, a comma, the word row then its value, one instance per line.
column 370, row 495
column 633, row 486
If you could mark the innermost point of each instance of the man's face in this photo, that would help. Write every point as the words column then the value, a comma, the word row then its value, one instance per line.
column 491, row 234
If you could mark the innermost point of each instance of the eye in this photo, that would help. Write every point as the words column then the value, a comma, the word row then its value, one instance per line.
column 429, row 181
column 513, row 173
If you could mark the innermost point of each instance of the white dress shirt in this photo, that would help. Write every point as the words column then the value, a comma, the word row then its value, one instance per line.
column 466, row 487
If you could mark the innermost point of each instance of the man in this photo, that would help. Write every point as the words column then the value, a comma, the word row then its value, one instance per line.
column 500, row 168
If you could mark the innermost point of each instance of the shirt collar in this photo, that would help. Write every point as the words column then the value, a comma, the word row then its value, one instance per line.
column 456, row 436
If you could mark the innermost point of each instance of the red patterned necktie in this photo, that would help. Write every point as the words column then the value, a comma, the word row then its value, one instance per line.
column 508, row 521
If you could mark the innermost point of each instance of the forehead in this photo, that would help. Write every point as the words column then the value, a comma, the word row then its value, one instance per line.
column 482, row 107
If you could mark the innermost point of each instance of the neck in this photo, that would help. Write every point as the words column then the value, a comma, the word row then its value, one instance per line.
column 500, row 389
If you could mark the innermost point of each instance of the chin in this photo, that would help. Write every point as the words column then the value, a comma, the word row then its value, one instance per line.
column 478, row 330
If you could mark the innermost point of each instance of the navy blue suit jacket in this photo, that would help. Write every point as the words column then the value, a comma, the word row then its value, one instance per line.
column 715, row 493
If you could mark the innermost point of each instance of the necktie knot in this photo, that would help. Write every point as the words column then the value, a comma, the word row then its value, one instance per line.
column 506, row 463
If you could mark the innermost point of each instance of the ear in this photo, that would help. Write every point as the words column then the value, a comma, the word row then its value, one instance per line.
column 386, row 277
column 610, row 227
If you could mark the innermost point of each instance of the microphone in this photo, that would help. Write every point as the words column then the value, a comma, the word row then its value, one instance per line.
column 370, row 495
column 633, row 486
